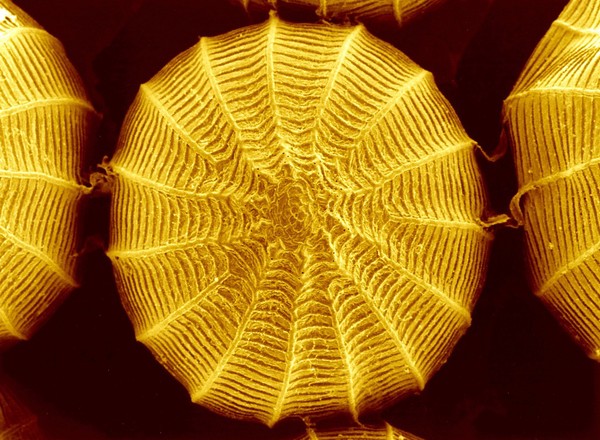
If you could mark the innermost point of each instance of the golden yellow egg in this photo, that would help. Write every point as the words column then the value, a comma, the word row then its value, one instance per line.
column 552, row 117
column 398, row 11
column 44, row 124
column 296, row 222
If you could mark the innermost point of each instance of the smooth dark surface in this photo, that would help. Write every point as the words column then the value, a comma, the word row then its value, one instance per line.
column 515, row 375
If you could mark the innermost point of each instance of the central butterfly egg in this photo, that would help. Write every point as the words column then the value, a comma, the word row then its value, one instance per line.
column 297, row 222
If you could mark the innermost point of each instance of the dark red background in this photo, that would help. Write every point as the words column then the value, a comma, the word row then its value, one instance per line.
column 515, row 375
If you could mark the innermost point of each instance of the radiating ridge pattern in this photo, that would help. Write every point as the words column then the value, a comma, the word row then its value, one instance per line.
column 552, row 117
column 44, row 123
column 296, row 222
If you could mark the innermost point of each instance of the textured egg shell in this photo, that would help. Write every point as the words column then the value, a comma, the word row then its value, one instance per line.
column 296, row 222
column 17, row 422
column 398, row 11
column 384, row 432
column 552, row 117
column 44, row 124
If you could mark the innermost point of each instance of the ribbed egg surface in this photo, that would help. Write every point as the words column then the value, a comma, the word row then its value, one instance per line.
column 44, row 125
column 383, row 432
column 399, row 11
column 296, row 222
column 552, row 116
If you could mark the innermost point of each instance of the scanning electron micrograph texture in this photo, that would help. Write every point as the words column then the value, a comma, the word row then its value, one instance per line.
column 297, row 222
column 384, row 432
column 399, row 11
column 44, row 124
column 552, row 119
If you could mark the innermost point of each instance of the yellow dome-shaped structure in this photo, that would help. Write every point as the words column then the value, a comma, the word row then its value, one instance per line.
column 44, row 124
column 296, row 222
column 552, row 119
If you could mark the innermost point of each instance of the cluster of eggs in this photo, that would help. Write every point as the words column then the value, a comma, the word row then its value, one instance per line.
column 298, row 225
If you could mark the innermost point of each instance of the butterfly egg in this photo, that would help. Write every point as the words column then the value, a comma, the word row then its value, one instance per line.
column 552, row 120
column 398, row 11
column 17, row 422
column 383, row 432
column 296, row 222
column 44, row 124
